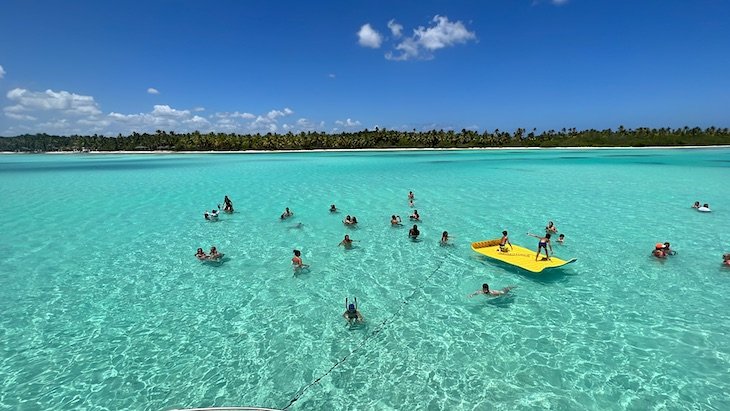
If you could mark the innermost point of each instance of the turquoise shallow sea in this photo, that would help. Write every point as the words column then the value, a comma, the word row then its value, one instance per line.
column 104, row 305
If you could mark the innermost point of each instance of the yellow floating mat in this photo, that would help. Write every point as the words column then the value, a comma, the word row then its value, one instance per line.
column 518, row 256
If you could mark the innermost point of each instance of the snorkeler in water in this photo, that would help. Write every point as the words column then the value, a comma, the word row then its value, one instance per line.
column 352, row 313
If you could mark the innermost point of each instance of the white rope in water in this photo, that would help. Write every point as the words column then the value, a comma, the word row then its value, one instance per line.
column 227, row 409
column 366, row 339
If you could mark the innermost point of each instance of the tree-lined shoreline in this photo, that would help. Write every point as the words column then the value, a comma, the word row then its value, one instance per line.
column 369, row 139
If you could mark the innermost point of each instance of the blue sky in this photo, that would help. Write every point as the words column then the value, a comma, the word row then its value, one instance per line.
column 107, row 67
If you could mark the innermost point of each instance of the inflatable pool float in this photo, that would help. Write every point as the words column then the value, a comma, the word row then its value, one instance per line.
column 703, row 209
column 518, row 256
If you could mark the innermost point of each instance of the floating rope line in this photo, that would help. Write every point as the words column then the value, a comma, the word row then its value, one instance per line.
column 365, row 340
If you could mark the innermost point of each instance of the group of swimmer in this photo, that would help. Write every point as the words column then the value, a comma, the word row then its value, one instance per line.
column 214, row 255
column 212, row 215
column 662, row 250
column 703, row 208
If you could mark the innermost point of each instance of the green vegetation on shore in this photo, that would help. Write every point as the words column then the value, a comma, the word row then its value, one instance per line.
column 378, row 138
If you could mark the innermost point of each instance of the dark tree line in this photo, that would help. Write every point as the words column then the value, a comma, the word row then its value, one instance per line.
column 378, row 138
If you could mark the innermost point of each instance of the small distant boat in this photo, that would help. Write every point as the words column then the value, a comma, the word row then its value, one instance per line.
column 518, row 256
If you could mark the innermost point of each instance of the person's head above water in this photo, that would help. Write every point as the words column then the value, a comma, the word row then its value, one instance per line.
column 485, row 287
column 547, row 236
column 297, row 253
column 504, row 232
column 351, row 308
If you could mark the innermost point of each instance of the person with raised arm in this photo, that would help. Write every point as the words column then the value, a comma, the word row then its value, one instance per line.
column 543, row 244
column 352, row 313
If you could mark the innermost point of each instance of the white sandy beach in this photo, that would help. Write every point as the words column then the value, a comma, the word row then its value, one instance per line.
column 320, row 150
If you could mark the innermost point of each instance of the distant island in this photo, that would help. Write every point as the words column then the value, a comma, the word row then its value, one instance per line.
column 369, row 139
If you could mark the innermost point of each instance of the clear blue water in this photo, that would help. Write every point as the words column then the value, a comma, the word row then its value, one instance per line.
column 105, row 307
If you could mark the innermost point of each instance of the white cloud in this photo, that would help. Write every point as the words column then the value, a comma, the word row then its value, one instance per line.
column 62, row 101
column 167, row 111
column 395, row 28
column 425, row 40
column 19, row 116
column 347, row 123
column 273, row 114
column 368, row 37
column 197, row 121
column 235, row 114
column 2, row 72
column 199, row 109
column 66, row 113
column 152, row 90
column 303, row 124
column 331, row 75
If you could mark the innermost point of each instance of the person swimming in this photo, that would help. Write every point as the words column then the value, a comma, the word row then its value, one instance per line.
column 333, row 209
column 286, row 214
column 444, row 238
column 667, row 250
column 411, row 196
column 346, row 242
column 352, row 313
column 214, row 254
column 413, row 233
column 726, row 259
column 227, row 205
column 492, row 293
column 659, row 251
column 201, row 255
column 543, row 244
column 551, row 228
column 696, row 204
column 415, row 216
column 395, row 220
column 296, row 261
column 561, row 238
